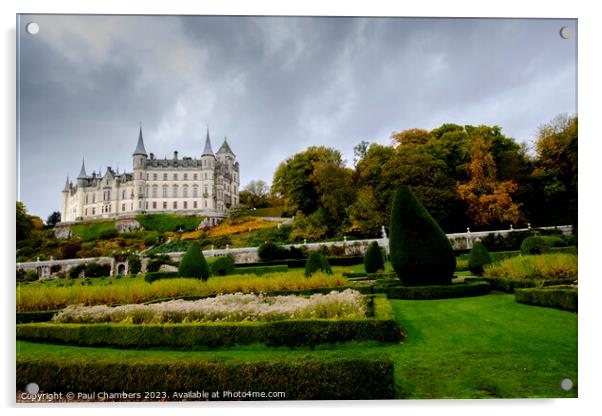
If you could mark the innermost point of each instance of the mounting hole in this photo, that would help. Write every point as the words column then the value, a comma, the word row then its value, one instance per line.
column 566, row 384
column 565, row 32
column 32, row 28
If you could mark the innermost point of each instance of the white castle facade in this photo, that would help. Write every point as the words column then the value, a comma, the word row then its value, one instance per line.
column 206, row 186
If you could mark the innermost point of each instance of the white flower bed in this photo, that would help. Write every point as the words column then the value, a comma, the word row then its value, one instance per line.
column 235, row 307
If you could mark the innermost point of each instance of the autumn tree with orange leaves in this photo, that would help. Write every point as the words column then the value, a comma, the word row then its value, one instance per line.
column 489, row 200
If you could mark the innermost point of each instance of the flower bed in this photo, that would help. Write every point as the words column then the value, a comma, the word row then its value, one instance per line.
column 236, row 307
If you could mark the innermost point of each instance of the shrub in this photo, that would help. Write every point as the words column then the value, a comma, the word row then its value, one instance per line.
column 35, row 316
column 313, row 263
column 478, row 259
column 31, row 276
column 156, row 261
column 559, row 298
column 152, row 276
column 270, row 251
column 168, row 222
column 223, row 265
column 108, row 233
column 373, row 259
column 330, row 376
column 420, row 252
column 324, row 265
column 261, row 270
column 70, row 250
column 55, row 268
column 134, row 264
column 97, row 270
column 541, row 266
column 151, row 240
column 193, row 264
column 456, row 290
column 540, row 244
column 509, row 285
column 346, row 261
column 75, row 271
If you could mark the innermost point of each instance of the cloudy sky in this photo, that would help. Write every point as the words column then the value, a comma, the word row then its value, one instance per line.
column 272, row 85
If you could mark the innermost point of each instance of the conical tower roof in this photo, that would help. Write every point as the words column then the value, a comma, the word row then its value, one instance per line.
column 82, row 172
column 67, row 185
column 225, row 148
column 208, row 150
column 140, row 150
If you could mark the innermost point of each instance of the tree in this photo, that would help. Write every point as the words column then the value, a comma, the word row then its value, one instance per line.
column 255, row 195
column 411, row 137
column 479, row 258
column 193, row 264
column 53, row 219
column 489, row 200
column 420, row 252
column 309, row 227
column 373, row 259
column 333, row 185
column 363, row 214
column 359, row 151
column 555, row 172
column 24, row 222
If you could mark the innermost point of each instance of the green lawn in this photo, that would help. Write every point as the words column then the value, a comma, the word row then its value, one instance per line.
column 481, row 347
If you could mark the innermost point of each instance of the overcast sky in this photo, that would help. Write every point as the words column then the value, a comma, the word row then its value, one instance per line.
column 272, row 85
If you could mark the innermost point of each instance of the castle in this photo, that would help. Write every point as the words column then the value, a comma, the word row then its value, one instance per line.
column 207, row 186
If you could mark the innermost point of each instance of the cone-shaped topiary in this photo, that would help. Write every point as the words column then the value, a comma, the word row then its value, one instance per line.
column 419, row 250
column 373, row 259
column 313, row 263
column 325, row 265
column 479, row 258
column 193, row 264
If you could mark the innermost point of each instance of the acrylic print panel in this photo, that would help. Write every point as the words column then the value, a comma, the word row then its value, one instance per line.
column 295, row 208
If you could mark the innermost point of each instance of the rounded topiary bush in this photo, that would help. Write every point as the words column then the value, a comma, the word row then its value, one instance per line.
column 373, row 259
column 193, row 264
column 419, row 250
column 223, row 266
column 270, row 251
column 313, row 263
column 540, row 244
column 479, row 257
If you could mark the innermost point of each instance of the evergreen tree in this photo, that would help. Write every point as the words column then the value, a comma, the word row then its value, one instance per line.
column 373, row 259
column 193, row 264
column 420, row 252
column 479, row 258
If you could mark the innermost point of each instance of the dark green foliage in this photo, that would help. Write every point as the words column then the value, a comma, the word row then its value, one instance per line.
column 325, row 266
column 373, row 259
column 334, row 376
column 420, row 252
column 36, row 316
column 156, row 261
column 223, row 266
column 92, row 230
column 270, row 251
column 30, row 276
column 354, row 274
column 313, row 263
column 75, row 271
column 478, row 259
column 193, row 264
column 559, row 298
column 55, row 268
column 152, row 276
column 168, row 222
column 346, row 260
column 134, row 264
column 97, row 270
column 261, row 270
column 456, row 290
column 108, row 234
column 151, row 239
column 540, row 244
column 70, row 250
column 509, row 285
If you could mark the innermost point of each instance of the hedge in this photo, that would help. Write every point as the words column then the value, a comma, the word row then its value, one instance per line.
column 509, row 285
column 261, row 270
column 291, row 333
column 152, row 276
column 565, row 299
column 333, row 376
column 35, row 316
column 298, row 263
column 456, row 290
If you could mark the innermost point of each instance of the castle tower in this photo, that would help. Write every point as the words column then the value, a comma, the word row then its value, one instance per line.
column 65, row 201
column 207, row 190
column 139, row 162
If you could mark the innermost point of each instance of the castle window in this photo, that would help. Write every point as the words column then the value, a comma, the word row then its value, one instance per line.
column 195, row 176
column 185, row 191
column 86, row 212
column 205, row 203
column 154, row 176
column 154, row 204
column 165, row 176
column 175, row 176
column 147, row 176
column 140, row 191
column 123, row 195
column 206, row 189
column 164, row 191
column 93, row 198
column 93, row 211
column 155, row 190
column 185, row 176
column 146, row 205
column 86, row 200
column 175, row 204
column 174, row 191
column 205, row 175
column 164, row 205
column 123, row 207
column 194, row 204
column 185, row 204
column 195, row 191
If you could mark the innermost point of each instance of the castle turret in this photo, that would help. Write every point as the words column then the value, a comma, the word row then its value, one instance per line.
column 82, row 178
column 140, row 157
column 65, row 200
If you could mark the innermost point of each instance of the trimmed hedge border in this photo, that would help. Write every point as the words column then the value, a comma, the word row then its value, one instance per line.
column 565, row 299
column 509, row 285
column 304, row 378
column 292, row 333
column 152, row 276
column 455, row 290
column 261, row 270
column 35, row 316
